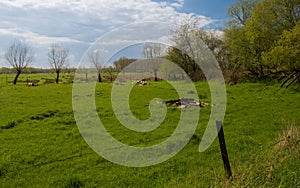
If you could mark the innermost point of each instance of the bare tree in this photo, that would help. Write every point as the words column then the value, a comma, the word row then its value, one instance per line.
column 193, row 44
column 151, row 51
column 95, row 59
column 240, row 12
column 19, row 55
column 57, row 57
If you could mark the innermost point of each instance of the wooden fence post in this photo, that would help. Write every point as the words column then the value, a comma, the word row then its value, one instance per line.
column 223, row 149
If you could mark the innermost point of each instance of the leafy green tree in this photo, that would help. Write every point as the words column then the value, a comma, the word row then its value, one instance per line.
column 250, row 38
column 285, row 55
column 110, row 70
column 270, row 19
column 123, row 62
column 240, row 55
column 177, row 56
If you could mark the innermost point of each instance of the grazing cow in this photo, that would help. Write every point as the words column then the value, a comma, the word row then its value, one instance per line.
column 31, row 84
column 142, row 82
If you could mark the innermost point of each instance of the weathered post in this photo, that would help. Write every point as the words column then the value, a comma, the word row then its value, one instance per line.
column 223, row 149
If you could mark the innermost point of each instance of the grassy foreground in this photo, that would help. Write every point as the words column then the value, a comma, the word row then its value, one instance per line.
column 42, row 147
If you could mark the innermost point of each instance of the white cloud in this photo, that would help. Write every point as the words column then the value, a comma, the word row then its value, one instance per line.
column 100, row 50
column 178, row 4
column 107, row 12
column 80, row 22
column 35, row 38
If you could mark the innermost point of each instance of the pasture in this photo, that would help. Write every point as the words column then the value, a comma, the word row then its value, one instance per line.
column 42, row 147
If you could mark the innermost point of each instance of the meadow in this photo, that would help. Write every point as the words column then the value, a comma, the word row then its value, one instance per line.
column 41, row 145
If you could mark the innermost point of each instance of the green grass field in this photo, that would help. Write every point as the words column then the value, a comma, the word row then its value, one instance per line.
column 42, row 147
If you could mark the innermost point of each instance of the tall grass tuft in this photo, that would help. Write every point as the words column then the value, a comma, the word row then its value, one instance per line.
column 289, row 137
column 73, row 182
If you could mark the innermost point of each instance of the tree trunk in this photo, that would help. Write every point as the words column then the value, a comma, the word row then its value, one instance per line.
column 99, row 77
column 17, row 76
column 155, row 75
column 57, row 77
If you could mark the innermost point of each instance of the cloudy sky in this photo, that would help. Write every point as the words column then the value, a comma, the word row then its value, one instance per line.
column 77, row 24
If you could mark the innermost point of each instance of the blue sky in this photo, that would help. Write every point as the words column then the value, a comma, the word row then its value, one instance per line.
column 77, row 24
column 216, row 9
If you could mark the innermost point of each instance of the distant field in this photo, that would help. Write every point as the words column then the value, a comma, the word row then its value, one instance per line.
column 42, row 147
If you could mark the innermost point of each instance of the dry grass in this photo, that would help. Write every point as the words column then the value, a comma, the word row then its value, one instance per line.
column 265, row 170
column 289, row 137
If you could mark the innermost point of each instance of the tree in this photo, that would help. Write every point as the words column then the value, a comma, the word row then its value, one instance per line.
column 190, row 43
column 19, row 55
column 95, row 59
column 240, row 53
column 249, row 39
column 240, row 12
column 270, row 19
column 152, row 51
column 57, row 57
column 110, row 70
column 181, row 59
column 285, row 55
column 183, row 37
column 214, row 41
column 123, row 62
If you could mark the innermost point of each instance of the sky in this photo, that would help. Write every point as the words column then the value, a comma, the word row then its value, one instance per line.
column 78, row 24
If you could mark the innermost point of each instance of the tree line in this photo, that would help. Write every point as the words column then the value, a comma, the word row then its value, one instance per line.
column 261, row 40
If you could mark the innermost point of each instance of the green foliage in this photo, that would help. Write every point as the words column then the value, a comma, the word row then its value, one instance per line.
column 260, row 43
column 181, row 59
column 236, row 41
column 286, row 52
column 121, row 63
